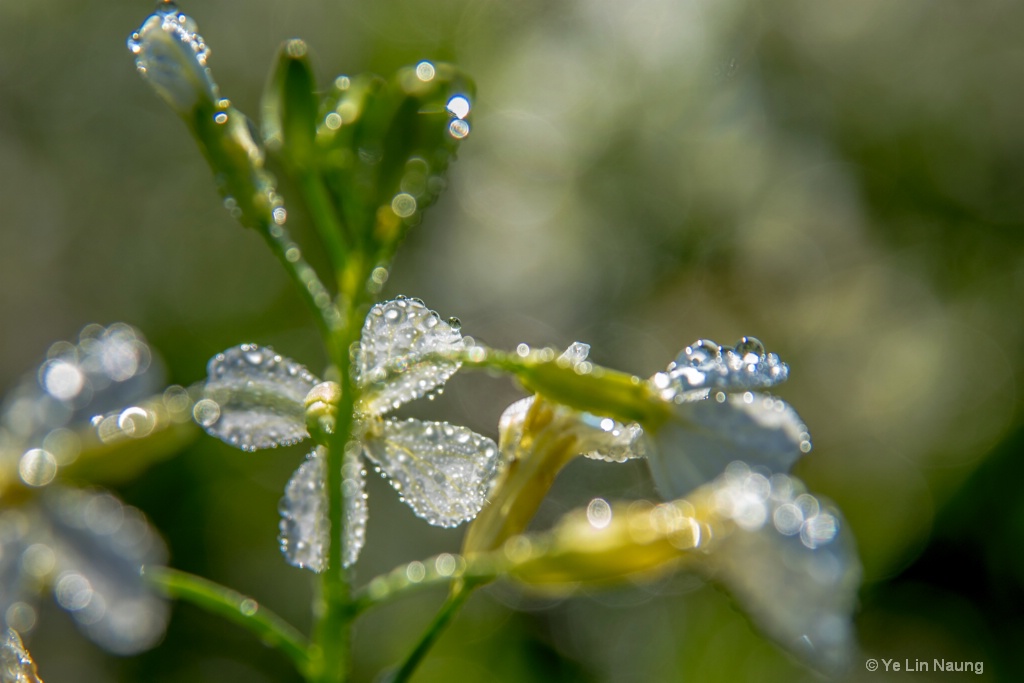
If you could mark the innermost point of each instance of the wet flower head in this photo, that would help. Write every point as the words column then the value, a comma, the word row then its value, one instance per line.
column 255, row 398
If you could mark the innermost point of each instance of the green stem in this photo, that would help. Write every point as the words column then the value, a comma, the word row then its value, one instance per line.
column 413, row 577
column 305, row 278
column 232, row 605
column 460, row 592
column 333, row 611
column 326, row 221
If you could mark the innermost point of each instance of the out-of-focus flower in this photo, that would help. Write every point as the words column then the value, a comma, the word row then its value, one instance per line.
column 719, row 451
column 84, row 546
column 786, row 556
column 256, row 399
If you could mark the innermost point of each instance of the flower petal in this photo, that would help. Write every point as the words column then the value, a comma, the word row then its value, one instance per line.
column 705, row 365
column 16, row 665
column 305, row 527
column 707, row 435
column 442, row 472
column 791, row 563
column 100, row 547
column 406, row 351
column 255, row 398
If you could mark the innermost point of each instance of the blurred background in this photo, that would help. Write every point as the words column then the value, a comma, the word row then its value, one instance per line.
column 844, row 181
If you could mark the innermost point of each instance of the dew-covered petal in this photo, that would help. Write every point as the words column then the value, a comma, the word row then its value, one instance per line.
column 705, row 436
column 443, row 472
column 100, row 547
column 16, row 665
column 406, row 351
column 704, row 365
column 255, row 398
column 305, row 527
column 790, row 562
column 171, row 55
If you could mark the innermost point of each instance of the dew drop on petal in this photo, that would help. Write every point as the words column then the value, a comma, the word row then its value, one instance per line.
column 705, row 365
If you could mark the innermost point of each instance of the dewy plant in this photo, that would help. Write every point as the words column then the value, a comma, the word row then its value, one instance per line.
column 366, row 159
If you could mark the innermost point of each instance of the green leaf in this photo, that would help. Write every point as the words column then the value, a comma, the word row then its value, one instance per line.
column 289, row 105
column 384, row 147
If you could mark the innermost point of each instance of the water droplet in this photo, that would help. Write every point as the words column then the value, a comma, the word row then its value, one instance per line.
column 458, row 106
column 37, row 467
column 425, row 71
column 458, row 129
column 750, row 349
column 248, row 607
column 404, row 205
column 280, row 215
column 599, row 513
column 206, row 412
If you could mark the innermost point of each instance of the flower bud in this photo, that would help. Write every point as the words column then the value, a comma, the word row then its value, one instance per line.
column 171, row 55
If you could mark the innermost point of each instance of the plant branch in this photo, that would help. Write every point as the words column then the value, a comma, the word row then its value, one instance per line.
column 458, row 596
column 311, row 289
column 232, row 605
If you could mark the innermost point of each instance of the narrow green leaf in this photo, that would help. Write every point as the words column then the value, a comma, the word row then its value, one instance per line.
column 289, row 105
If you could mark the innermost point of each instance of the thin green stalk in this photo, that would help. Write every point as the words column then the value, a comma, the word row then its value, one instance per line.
column 458, row 596
column 311, row 289
column 232, row 605
column 413, row 577
column 326, row 222
column 333, row 613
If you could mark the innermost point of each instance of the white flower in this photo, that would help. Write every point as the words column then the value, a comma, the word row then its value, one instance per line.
column 256, row 399
column 84, row 546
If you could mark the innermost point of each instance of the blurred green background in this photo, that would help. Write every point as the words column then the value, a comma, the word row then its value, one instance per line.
column 843, row 180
